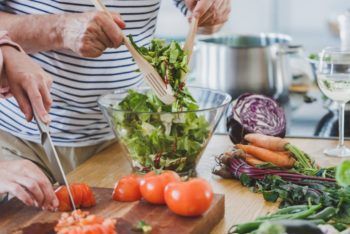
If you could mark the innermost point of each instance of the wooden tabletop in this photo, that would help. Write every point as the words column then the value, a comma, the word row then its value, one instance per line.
column 104, row 169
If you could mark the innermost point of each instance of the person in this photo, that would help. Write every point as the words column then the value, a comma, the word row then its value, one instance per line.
column 25, row 80
column 82, row 49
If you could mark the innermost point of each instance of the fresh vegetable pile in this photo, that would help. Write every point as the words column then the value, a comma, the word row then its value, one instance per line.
column 319, row 218
column 282, row 172
column 293, row 220
column 185, row 198
column 189, row 198
column 155, row 137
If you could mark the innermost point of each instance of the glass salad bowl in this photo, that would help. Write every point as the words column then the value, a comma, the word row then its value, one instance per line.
column 164, row 140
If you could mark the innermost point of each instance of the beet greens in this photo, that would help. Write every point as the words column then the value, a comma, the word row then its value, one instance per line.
column 289, row 187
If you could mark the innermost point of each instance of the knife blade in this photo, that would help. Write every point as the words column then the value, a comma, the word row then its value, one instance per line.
column 55, row 162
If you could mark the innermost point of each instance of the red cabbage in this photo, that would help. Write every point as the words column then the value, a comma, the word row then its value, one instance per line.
column 254, row 113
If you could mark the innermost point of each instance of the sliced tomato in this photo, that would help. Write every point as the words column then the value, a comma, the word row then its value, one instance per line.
column 81, row 222
column 77, row 193
column 82, row 196
column 63, row 198
column 88, row 197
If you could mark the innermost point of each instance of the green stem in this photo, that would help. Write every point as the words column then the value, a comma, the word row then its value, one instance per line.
column 303, row 159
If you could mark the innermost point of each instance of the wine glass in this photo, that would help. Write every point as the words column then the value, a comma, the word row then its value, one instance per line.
column 333, row 78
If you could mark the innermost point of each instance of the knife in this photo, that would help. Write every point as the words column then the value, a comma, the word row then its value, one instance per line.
column 55, row 162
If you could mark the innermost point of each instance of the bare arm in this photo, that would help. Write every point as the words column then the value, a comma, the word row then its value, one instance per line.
column 34, row 32
column 88, row 34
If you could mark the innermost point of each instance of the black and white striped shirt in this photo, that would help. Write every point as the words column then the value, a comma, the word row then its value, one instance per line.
column 78, row 82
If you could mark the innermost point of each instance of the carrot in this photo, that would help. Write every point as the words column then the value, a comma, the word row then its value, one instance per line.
column 252, row 161
column 287, row 153
column 266, row 155
column 267, row 142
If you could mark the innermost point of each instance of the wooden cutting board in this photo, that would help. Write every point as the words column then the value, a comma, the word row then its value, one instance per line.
column 15, row 217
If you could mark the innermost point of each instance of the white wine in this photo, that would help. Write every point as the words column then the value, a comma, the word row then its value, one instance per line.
column 335, row 87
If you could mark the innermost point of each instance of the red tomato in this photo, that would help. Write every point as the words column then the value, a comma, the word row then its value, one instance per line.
column 82, row 196
column 127, row 189
column 88, row 196
column 191, row 198
column 77, row 193
column 152, row 185
column 63, row 198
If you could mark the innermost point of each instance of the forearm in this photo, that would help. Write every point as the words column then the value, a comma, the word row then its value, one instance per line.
column 34, row 32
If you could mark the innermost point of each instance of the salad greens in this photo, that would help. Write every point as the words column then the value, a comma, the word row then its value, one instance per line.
column 170, row 61
column 155, row 137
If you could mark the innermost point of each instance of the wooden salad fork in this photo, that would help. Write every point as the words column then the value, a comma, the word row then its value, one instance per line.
column 189, row 43
column 163, row 91
column 188, row 46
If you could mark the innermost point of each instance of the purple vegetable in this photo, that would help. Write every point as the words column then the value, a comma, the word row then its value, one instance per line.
column 235, row 167
column 254, row 113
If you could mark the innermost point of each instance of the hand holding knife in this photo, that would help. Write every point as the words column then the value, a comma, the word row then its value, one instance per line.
column 52, row 155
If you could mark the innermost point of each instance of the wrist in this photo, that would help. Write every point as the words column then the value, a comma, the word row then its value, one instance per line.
column 9, row 54
column 9, row 49
column 57, row 31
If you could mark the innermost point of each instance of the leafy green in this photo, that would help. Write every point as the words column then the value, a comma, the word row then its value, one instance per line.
column 343, row 173
column 143, row 227
column 155, row 137
column 160, row 140
column 170, row 61
column 328, row 194
column 317, row 57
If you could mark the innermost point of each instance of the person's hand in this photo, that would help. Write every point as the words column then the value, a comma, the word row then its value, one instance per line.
column 89, row 34
column 28, row 82
column 212, row 14
column 24, row 180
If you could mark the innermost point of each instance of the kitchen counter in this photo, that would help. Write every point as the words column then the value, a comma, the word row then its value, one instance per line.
column 104, row 169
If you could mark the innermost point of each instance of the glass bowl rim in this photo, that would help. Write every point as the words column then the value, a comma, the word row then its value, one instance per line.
column 227, row 101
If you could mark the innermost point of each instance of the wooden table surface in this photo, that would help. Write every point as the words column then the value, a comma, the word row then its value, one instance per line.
column 104, row 169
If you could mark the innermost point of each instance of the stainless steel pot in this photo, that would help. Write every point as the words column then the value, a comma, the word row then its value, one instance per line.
column 236, row 64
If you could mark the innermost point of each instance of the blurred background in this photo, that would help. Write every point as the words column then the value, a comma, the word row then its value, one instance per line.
column 307, row 21
column 236, row 63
